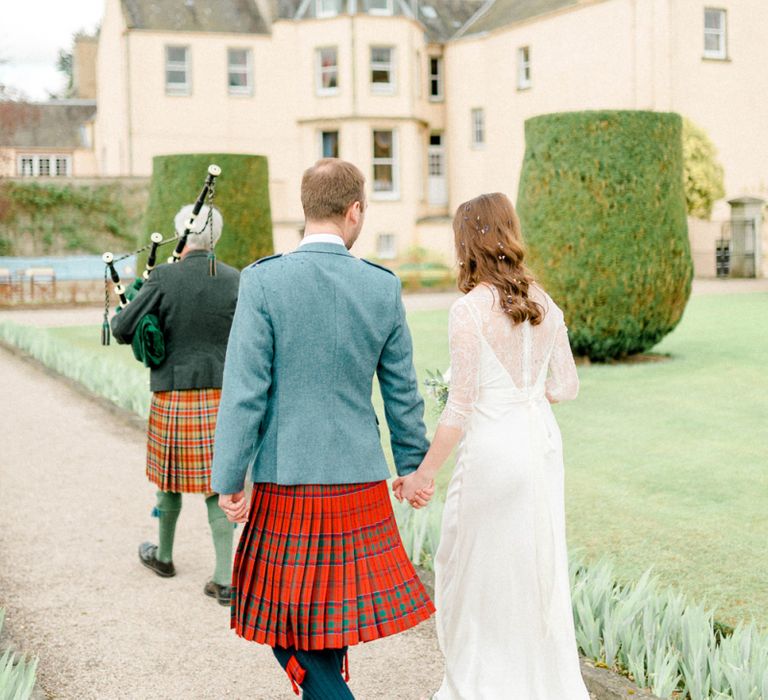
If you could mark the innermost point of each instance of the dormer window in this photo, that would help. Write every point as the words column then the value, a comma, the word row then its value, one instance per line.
column 327, row 8
column 379, row 7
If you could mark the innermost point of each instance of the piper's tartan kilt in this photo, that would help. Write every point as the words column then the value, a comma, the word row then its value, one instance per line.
column 323, row 567
column 180, row 439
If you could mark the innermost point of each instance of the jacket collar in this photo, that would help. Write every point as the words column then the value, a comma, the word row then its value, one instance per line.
column 195, row 254
column 333, row 248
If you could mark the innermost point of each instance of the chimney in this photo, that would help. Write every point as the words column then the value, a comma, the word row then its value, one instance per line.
column 84, row 66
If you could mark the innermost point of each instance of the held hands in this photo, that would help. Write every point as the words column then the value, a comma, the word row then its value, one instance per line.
column 416, row 488
column 235, row 506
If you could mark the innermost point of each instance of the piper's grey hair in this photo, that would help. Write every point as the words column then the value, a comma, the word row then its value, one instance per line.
column 200, row 232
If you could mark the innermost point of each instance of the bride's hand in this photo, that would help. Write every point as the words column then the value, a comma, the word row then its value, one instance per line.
column 415, row 488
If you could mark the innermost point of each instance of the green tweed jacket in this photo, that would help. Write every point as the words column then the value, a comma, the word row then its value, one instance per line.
column 311, row 330
column 195, row 313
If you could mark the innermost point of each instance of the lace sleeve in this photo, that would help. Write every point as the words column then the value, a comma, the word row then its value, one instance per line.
column 464, row 343
column 563, row 381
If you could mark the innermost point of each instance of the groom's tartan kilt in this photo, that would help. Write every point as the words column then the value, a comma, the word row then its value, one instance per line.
column 323, row 567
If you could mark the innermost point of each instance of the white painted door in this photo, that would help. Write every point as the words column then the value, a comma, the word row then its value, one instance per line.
column 437, row 187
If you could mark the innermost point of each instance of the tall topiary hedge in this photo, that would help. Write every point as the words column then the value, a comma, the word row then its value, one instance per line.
column 603, row 212
column 242, row 196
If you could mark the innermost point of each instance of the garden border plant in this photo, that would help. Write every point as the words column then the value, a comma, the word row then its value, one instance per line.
column 17, row 672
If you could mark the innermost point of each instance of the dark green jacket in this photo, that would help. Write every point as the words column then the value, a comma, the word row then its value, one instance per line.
column 195, row 312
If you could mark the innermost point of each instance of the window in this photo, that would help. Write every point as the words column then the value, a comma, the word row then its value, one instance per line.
column 524, row 67
column 327, row 8
column 379, row 7
column 384, row 164
column 386, row 246
column 478, row 127
column 436, row 156
column 329, row 144
column 62, row 166
column 177, row 70
column 714, row 34
column 240, row 71
column 44, row 165
column 435, row 78
column 382, row 69
column 327, row 71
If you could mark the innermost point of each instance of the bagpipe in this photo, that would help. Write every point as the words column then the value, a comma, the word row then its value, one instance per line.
column 148, row 343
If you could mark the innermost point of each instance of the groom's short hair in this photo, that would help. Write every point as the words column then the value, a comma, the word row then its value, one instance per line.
column 330, row 187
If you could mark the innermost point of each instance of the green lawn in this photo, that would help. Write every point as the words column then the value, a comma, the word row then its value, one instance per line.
column 666, row 462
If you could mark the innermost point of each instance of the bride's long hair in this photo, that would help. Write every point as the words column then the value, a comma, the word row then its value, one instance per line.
column 489, row 249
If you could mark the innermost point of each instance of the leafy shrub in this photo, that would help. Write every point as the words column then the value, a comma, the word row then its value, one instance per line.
column 52, row 218
column 242, row 196
column 702, row 172
column 603, row 213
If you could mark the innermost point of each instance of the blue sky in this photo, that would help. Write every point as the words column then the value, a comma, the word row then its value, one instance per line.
column 31, row 34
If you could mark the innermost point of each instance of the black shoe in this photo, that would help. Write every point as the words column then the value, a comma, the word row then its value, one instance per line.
column 148, row 557
column 222, row 593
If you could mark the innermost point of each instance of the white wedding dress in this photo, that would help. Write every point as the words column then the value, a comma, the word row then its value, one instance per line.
column 503, row 600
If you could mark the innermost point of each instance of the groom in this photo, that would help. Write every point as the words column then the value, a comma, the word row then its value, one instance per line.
column 320, row 565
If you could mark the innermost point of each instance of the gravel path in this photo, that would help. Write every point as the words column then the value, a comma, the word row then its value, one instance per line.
column 75, row 505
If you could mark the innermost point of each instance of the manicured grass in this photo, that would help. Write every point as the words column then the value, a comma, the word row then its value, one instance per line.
column 666, row 462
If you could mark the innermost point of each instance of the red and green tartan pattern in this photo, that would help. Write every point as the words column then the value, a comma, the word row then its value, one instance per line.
column 323, row 567
column 180, row 439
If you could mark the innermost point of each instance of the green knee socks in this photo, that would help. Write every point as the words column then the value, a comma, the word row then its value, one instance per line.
column 168, row 509
column 222, row 532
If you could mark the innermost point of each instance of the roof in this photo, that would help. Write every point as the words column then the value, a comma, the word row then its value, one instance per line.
column 44, row 124
column 501, row 13
column 235, row 16
column 443, row 18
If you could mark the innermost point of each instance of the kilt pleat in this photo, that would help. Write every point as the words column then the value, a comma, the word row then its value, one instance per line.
column 323, row 566
column 180, row 436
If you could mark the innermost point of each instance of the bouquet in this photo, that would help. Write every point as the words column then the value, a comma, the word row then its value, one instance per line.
column 438, row 384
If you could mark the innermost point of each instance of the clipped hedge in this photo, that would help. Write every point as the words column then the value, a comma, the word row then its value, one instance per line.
column 603, row 212
column 242, row 196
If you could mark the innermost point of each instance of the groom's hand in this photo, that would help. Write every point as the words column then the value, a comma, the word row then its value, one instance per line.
column 235, row 506
column 414, row 488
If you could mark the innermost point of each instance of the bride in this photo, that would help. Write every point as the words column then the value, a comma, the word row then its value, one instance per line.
column 502, row 592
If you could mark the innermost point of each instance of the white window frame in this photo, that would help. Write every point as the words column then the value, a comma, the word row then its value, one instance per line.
column 238, row 68
column 178, row 89
column 393, row 161
column 320, row 70
column 320, row 143
column 388, row 252
column 524, row 81
column 381, row 11
column 321, row 10
column 720, row 53
column 477, row 116
column 34, row 162
column 389, row 66
column 436, row 78
column 22, row 162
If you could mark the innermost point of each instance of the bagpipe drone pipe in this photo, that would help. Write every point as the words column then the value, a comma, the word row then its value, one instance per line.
column 148, row 343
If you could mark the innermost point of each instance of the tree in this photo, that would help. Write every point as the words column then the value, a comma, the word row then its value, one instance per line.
column 64, row 64
column 702, row 173
column 602, row 207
